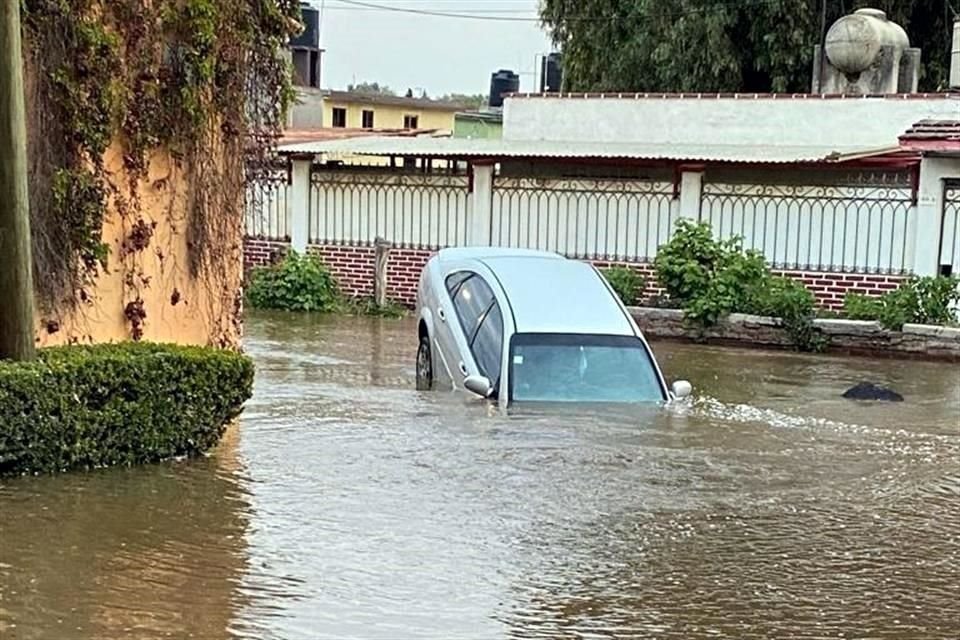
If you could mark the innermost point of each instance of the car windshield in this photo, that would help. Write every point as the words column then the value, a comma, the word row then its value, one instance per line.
column 582, row 368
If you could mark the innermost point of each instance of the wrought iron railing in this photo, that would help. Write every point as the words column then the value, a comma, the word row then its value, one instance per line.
column 408, row 210
column 867, row 229
column 267, row 214
column 615, row 219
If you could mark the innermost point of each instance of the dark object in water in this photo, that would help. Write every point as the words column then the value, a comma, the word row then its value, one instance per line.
column 870, row 391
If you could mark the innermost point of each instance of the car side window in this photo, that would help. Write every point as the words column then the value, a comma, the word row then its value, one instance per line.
column 487, row 345
column 471, row 298
column 480, row 319
column 456, row 279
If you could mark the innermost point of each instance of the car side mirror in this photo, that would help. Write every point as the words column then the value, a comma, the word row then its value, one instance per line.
column 479, row 385
column 682, row 389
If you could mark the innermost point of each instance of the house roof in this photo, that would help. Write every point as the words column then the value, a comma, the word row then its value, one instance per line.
column 933, row 136
column 327, row 134
column 424, row 104
column 498, row 150
column 481, row 116
column 630, row 95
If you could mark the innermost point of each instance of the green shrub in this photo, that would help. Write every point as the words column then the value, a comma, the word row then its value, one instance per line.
column 82, row 407
column 627, row 283
column 687, row 264
column 927, row 300
column 296, row 283
column 795, row 305
column 713, row 278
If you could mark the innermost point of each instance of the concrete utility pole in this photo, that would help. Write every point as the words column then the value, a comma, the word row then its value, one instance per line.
column 16, row 279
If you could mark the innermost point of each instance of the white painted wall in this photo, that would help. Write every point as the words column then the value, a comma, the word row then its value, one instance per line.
column 866, row 122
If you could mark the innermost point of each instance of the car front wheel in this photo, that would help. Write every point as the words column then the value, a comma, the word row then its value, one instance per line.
column 424, row 365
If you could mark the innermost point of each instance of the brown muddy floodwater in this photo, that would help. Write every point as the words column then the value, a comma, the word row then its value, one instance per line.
column 347, row 505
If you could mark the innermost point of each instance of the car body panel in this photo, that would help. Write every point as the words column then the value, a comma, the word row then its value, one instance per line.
column 537, row 292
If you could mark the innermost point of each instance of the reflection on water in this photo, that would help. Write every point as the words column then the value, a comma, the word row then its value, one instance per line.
column 348, row 505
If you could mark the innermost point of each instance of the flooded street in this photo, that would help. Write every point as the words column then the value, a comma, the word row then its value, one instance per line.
column 347, row 505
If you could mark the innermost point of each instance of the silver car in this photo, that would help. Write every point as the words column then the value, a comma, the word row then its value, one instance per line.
column 529, row 326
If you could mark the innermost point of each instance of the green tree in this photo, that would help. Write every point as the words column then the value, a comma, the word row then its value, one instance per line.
column 719, row 45
column 474, row 101
column 373, row 88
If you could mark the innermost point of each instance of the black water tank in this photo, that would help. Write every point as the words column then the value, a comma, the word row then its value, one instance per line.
column 551, row 74
column 310, row 38
column 501, row 82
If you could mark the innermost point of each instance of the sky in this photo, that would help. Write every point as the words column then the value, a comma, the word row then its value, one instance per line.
column 440, row 55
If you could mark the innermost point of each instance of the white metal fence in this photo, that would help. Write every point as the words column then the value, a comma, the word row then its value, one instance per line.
column 619, row 219
column 859, row 223
column 407, row 210
column 866, row 229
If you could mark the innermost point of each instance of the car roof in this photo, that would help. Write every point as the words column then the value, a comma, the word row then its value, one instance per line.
column 548, row 295
column 481, row 253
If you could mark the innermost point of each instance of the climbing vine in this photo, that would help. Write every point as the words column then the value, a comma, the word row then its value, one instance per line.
column 202, row 83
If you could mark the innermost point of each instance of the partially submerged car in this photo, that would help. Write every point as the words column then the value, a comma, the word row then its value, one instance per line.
column 523, row 326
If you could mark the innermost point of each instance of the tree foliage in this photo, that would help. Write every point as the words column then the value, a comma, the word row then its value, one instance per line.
column 371, row 88
column 720, row 45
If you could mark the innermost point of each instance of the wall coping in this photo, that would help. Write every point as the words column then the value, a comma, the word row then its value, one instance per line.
column 931, row 342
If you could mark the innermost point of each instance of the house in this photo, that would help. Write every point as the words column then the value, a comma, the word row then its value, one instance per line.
column 478, row 124
column 354, row 110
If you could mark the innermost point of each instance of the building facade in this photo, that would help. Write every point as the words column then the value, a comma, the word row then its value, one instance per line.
column 351, row 110
column 823, row 187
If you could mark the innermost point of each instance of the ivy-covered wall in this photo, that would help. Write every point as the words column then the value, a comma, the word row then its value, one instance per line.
column 146, row 118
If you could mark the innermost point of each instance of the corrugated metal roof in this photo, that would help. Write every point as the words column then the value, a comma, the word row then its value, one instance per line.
column 467, row 149
column 325, row 134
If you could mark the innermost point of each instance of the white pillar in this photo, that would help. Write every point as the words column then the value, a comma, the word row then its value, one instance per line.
column 298, row 203
column 481, row 210
column 929, row 214
column 691, row 189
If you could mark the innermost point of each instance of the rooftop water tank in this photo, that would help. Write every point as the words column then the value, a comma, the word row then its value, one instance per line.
column 310, row 38
column 854, row 41
column 502, row 82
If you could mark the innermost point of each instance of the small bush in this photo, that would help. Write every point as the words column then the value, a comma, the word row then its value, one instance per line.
column 627, row 283
column 857, row 306
column 927, row 300
column 688, row 263
column 82, row 407
column 296, row 283
column 795, row 305
column 712, row 278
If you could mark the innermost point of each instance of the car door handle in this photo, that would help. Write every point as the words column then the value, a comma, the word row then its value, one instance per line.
column 442, row 315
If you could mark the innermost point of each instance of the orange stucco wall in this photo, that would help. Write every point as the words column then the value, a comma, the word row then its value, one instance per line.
column 179, row 307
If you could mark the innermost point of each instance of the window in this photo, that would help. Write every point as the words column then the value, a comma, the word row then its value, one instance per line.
column 411, row 122
column 367, row 119
column 582, row 368
column 481, row 320
column 487, row 345
column 339, row 117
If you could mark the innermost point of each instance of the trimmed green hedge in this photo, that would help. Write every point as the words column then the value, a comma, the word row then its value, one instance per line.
column 81, row 407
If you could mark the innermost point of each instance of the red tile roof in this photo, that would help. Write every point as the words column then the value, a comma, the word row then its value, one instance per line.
column 932, row 135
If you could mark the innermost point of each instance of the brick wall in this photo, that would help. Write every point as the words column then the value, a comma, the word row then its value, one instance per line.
column 831, row 288
column 353, row 268
column 260, row 252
